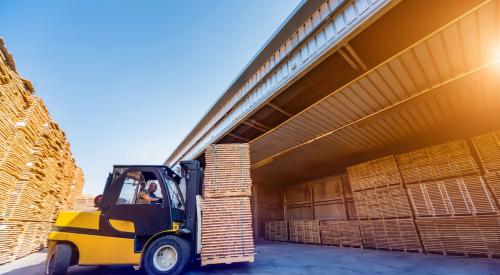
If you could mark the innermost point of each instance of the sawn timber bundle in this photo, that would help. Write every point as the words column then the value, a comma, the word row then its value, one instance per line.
column 226, row 231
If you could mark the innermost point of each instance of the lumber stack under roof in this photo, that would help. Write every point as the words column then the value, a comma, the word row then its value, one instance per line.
column 226, row 228
column 38, row 175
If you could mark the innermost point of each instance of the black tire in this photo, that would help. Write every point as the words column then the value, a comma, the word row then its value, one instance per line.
column 182, row 248
column 59, row 260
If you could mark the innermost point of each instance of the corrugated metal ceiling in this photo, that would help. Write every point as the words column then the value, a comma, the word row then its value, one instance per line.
column 447, row 80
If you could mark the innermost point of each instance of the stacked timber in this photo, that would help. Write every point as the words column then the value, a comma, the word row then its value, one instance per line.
column 37, row 170
column 304, row 231
column 340, row 233
column 464, row 235
column 488, row 149
column 451, row 200
column 276, row 231
column 227, row 234
column 382, row 207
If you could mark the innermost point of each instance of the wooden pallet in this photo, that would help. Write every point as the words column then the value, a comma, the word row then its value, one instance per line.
column 488, row 149
column 382, row 202
column 467, row 195
column 474, row 235
column 276, row 231
column 379, row 172
column 304, row 231
column 227, row 234
column 227, row 171
column 393, row 234
column 340, row 233
column 445, row 160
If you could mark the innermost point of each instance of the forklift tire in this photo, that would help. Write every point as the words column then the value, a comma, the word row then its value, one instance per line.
column 58, row 260
column 167, row 255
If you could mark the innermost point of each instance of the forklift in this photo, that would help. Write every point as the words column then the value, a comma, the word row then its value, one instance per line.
column 160, row 236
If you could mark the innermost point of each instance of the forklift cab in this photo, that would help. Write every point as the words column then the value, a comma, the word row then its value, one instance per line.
column 143, row 220
column 124, row 201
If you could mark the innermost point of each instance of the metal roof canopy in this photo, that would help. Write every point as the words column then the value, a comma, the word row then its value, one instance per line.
column 439, row 87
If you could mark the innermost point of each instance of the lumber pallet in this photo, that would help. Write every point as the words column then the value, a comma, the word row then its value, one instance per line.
column 394, row 234
column 227, row 171
column 382, row 202
column 276, row 231
column 340, row 233
column 226, row 234
column 469, row 235
column 379, row 172
column 304, row 231
column 466, row 195
column 488, row 149
column 447, row 160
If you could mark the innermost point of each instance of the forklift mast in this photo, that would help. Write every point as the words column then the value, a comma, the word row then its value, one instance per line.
column 192, row 173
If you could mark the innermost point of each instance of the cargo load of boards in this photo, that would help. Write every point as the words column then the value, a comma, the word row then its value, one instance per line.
column 227, row 235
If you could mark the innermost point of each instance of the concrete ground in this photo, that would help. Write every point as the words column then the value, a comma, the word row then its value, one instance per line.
column 286, row 258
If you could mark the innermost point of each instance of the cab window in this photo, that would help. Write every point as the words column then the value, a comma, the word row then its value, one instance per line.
column 129, row 188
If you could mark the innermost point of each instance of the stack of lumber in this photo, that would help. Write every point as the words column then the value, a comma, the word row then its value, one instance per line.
column 382, row 206
column 454, row 208
column 304, row 231
column 441, row 161
column 227, row 171
column 488, row 149
column 340, row 233
column 84, row 203
column 37, row 171
column 226, row 231
column 276, row 231
column 393, row 234
column 469, row 235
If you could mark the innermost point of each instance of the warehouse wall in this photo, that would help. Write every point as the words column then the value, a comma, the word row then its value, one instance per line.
column 38, row 175
column 438, row 199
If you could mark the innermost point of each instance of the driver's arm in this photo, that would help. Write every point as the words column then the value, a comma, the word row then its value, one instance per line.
column 143, row 195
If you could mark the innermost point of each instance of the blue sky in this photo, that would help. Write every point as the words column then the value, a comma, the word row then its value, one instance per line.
column 127, row 80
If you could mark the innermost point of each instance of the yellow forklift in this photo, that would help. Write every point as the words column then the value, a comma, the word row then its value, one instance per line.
column 160, row 234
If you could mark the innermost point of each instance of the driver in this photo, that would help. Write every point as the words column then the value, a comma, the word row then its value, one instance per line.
column 148, row 195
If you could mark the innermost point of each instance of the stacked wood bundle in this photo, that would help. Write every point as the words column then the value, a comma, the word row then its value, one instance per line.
column 227, row 171
column 469, row 235
column 276, row 231
column 304, row 231
column 466, row 195
column 227, row 234
column 488, row 149
column 448, row 160
column 393, row 234
column 382, row 206
column 37, row 171
column 340, row 233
